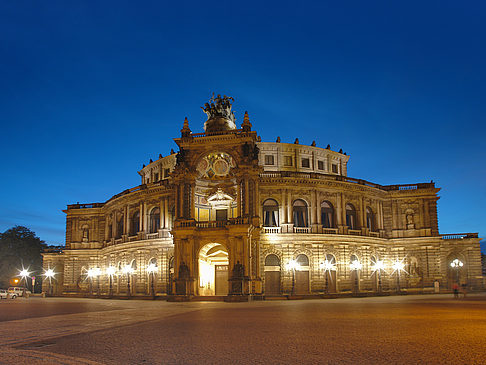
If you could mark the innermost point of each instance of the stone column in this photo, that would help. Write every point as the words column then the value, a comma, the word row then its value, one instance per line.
column 289, row 207
column 127, row 220
column 140, row 215
column 362, row 213
column 193, row 200
column 247, row 197
column 113, row 225
column 106, row 228
column 282, row 209
column 146, row 227
column 238, row 198
column 162, row 214
column 167, row 217
column 339, row 210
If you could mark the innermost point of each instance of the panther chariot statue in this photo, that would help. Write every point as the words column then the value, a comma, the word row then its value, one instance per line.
column 220, row 116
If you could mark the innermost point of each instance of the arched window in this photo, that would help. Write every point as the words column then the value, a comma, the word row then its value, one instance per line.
column 300, row 213
column 350, row 216
column 272, row 260
column 154, row 220
column 119, row 227
column 327, row 214
column 302, row 260
column 270, row 213
column 133, row 264
column 135, row 223
column 331, row 259
column 370, row 219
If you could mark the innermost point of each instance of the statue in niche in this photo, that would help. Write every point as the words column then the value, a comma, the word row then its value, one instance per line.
column 409, row 215
column 184, row 272
column 238, row 271
column 256, row 152
column 180, row 157
column 85, row 229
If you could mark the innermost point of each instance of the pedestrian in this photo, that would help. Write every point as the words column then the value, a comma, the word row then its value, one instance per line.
column 455, row 289
column 464, row 290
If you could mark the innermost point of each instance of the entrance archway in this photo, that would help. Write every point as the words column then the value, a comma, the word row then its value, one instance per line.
column 272, row 275
column 213, row 270
column 302, row 275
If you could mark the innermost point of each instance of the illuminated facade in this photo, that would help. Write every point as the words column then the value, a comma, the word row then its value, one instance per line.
column 229, row 215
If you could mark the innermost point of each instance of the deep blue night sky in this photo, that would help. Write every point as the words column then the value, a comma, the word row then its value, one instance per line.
column 89, row 91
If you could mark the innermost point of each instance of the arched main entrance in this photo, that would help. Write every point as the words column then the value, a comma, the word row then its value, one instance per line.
column 213, row 270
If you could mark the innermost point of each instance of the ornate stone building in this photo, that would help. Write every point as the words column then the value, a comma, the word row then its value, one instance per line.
column 229, row 214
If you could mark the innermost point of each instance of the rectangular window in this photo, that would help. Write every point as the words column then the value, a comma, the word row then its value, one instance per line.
column 287, row 160
column 320, row 165
column 334, row 168
column 156, row 177
column 269, row 160
column 166, row 172
column 305, row 162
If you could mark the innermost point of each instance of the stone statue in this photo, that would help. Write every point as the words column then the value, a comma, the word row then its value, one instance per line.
column 180, row 157
column 184, row 272
column 238, row 271
column 220, row 116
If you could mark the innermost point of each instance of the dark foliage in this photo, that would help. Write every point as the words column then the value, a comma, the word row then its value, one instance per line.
column 20, row 248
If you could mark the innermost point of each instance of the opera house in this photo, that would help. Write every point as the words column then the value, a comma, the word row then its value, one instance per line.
column 229, row 215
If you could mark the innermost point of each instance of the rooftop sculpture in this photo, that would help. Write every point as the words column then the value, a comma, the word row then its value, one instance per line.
column 220, row 116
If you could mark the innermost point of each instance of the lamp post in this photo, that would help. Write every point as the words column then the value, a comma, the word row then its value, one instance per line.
column 456, row 264
column 49, row 274
column 377, row 267
column 355, row 265
column 291, row 266
column 128, row 270
column 110, row 271
column 397, row 267
column 24, row 274
column 151, row 269
column 327, row 266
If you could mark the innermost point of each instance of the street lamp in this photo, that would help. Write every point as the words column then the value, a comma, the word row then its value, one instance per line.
column 127, row 269
column 327, row 266
column 456, row 264
column 378, row 266
column 152, row 269
column 110, row 271
column 291, row 266
column 397, row 267
column 24, row 273
column 49, row 274
column 355, row 265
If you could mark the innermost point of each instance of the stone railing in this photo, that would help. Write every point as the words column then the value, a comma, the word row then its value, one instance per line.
column 272, row 230
column 456, row 236
column 374, row 234
column 212, row 224
column 217, row 133
column 320, row 176
column 329, row 230
column 302, row 230
column 354, row 232
column 85, row 206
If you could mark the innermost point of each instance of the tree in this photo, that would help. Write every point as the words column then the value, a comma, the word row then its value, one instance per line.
column 19, row 248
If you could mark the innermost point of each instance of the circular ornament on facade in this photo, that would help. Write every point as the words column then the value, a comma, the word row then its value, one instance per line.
column 215, row 165
column 221, row 167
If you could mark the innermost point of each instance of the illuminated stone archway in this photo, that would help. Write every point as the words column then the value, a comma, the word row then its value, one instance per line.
column 213, row 270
